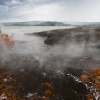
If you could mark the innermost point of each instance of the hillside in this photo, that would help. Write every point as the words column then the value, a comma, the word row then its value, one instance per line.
column 48, row 23
column 35, row 23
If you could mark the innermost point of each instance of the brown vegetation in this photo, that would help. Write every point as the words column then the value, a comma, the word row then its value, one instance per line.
column 6, row 39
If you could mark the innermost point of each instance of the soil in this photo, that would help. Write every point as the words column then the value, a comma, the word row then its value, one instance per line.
column 22, row 77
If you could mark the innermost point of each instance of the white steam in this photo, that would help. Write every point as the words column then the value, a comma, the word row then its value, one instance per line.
column 34, row 46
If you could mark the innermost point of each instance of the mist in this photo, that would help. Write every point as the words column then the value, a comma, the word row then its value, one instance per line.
column 33, row 48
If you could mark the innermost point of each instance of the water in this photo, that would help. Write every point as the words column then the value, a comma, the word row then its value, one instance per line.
column 30, row 29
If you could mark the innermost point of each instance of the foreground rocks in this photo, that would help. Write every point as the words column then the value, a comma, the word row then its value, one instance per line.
column 44, row 85
column 52, row 84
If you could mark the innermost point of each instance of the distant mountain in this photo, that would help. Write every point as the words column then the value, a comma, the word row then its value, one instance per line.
column 22, row 23
column 36, row 23
column 50, row 23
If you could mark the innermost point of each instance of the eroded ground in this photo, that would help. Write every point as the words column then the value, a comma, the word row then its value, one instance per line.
column 59, row 77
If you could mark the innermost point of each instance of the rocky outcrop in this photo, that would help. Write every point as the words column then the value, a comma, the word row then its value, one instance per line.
column 76, row 35
column 82, row 34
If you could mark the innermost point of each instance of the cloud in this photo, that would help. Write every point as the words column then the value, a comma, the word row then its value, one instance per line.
column 27, row 12
column 56, row 10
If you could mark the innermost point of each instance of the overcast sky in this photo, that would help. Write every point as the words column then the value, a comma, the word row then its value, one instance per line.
column 50, row 10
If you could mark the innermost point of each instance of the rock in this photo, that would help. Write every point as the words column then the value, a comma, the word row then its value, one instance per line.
column 3, row 97
column 77, row 35
column 5, row 80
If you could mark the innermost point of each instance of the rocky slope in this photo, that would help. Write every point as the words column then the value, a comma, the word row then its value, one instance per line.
column 77, row 35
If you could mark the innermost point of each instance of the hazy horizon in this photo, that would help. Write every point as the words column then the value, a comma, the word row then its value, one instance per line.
column 51, row 21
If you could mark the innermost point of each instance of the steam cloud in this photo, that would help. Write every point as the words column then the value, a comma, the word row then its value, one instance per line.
column 32, row 48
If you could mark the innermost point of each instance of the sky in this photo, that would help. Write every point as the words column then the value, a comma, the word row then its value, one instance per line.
column 50, row 10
